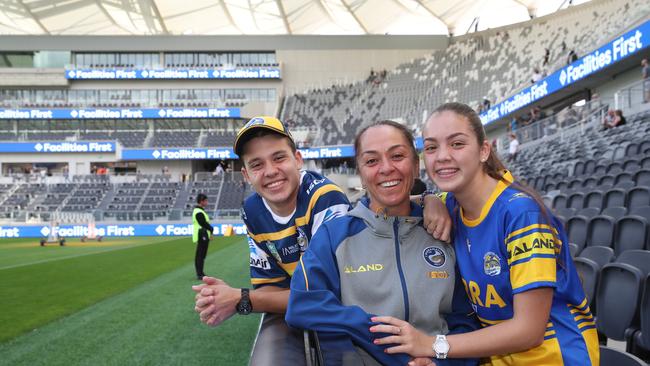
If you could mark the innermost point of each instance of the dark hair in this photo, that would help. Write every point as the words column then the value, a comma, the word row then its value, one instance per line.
column 408, row 135
column 261, row 132
column 200, row 197
column 493, row 165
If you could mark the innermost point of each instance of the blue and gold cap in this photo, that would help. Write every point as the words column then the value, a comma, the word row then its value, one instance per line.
column 265, row 122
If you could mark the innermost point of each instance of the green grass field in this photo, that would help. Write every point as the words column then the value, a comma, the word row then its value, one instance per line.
column 118, row 302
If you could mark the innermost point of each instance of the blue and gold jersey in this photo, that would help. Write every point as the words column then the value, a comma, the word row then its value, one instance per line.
column 511, row 248
column 276, row 243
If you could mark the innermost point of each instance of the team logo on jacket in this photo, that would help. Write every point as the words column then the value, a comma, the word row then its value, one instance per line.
column 302, row 240
column 491, row 264
column 434, row 256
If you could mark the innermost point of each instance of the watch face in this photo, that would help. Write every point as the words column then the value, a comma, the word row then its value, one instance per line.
column 441, row 346
column 244, row 308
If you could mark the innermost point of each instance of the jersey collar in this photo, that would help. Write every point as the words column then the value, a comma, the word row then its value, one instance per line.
column 502, row 184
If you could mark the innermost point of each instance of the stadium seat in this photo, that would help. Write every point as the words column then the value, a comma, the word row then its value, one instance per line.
column 594, row 199
column 617, row 297
column 573, row 249
column 638, row 196
column 638, row 258
column 610, row 356
column 566, row 212
column 600, row 255
column 615, row 197
column 575, row 200
column 606, row 180
column 590, row 182
column 560, row 201
column 600, row 231
column 589, row 212
column 588, row 271
column 642, row 338
column 631, row 233
column 643, row 211
column 642, row 177
column 577, row 230
column 615, row 212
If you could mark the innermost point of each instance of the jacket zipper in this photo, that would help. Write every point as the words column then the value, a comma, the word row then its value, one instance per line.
column 399, row 269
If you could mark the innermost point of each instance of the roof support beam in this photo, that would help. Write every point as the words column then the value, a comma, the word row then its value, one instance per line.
column 325, row 10
column 110, row 17
column 283, row 14
column 347, row 7
column 161, row 20
column 34, row 17
column 229, row 16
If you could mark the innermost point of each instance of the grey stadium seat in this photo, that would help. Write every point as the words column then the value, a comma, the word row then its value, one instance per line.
column 610, row 357
column 631, row 233
column 601, row 231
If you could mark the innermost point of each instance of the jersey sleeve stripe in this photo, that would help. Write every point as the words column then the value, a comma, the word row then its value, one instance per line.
column 260, row 281
column 304, row 220
column 528, row 228
column 304, row 274
column 289, row 267
column 528, row 258
column 535, row 270
column 274, row 236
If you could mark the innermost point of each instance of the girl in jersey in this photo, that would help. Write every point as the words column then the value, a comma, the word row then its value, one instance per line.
column 512, row 255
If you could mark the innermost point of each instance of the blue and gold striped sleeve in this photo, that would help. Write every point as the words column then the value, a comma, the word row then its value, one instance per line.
column 532, row 247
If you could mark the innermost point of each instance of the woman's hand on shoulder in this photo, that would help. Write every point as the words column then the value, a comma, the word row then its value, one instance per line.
column 437, row 221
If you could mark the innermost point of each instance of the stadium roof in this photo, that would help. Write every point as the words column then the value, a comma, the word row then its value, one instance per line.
column 257, row 17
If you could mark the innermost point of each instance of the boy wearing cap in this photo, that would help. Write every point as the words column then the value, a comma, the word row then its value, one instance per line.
column 288, row 207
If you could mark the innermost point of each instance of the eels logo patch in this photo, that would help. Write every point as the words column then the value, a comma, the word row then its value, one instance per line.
column 491, row 264
column 434, row 256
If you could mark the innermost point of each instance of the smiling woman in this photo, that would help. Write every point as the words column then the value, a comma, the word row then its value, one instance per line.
column 378, row 260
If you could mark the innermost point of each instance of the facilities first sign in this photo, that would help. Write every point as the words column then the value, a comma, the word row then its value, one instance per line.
column 622, row 47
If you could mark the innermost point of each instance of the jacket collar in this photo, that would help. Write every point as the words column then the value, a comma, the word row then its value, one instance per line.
column 382, row 225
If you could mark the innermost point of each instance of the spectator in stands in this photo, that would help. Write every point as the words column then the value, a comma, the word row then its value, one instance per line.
column 201, row 234
column 618, row 119
column 572, row 57
column 218, row 170
column 570, row 117
column 608, row 120
column 165, row 170
column 645, row 75
column 66, row 173
column 537, row 76
column 372, row 76
column 513, row 148
column 486, row 103
column 518, row 290
column 328, row 295
column 547, row 56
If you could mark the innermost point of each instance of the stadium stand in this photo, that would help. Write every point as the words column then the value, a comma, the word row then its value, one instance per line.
column 492, row 65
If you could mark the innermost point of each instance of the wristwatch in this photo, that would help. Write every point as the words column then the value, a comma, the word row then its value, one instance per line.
column 244, row 306
column 441, row 347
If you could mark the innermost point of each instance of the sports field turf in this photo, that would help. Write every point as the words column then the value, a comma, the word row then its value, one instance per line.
column 118, row 302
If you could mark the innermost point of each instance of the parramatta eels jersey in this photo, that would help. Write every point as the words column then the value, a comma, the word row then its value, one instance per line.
column 510, row 249
column 276, row 243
